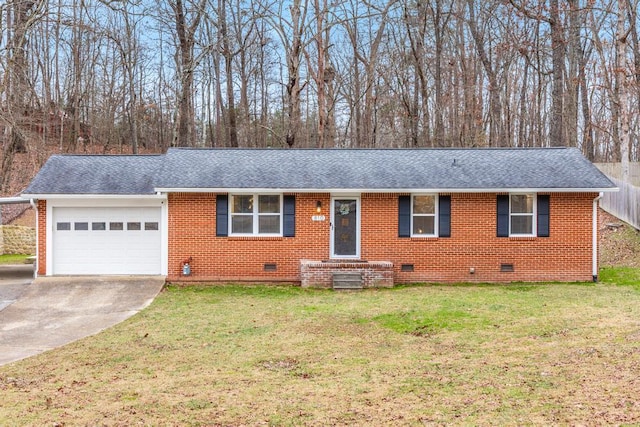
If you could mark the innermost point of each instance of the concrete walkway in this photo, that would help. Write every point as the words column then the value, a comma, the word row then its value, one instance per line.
column 54, row 311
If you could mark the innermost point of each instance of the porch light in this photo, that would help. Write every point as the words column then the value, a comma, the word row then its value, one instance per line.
column 318, row 206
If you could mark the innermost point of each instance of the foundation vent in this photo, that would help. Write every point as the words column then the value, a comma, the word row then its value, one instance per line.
column 506, row 268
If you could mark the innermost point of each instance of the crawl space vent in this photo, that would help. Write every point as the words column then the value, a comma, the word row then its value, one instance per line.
column 506, row 268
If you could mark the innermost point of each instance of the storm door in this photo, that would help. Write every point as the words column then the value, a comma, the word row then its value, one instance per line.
column 345, row 226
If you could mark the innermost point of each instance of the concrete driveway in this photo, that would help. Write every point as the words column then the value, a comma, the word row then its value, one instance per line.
column 52, row 311
column 14, row 280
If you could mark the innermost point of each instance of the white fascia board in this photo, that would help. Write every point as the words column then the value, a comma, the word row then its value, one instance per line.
column 92, row 196
column 384, row 190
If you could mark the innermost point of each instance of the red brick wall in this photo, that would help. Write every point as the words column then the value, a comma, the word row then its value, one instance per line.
column 42, row 237
column 564, row 256
column 192, row 233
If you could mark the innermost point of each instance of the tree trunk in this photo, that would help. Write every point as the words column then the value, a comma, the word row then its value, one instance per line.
column 556, row 130
column 184, row 136
column 231, row 123
column 622, row 86
column 496, row 134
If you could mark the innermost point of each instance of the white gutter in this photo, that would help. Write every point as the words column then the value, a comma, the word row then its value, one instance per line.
column 12, row 200
column 594, row 243
column 92, row 196
column 386, row 190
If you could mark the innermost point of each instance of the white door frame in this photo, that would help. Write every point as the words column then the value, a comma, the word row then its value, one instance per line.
column 332, row 254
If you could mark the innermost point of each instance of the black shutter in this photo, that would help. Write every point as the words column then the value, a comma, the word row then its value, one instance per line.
column 543, row 215
column 444, row 216
column 289, row 218
column 222, row 215
column 503, row 216
column 404, row 216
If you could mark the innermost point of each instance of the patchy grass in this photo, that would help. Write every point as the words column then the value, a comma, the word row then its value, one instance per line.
column 13, row 259
column 240, row 355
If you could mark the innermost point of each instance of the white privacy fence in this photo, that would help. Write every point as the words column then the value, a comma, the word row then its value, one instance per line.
column 625, row 203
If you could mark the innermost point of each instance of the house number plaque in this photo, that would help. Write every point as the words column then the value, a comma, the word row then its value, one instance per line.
column 318, row 218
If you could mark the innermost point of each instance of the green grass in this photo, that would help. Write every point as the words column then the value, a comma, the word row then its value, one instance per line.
column 13, row 259
column 250, row 355
column 623, row 276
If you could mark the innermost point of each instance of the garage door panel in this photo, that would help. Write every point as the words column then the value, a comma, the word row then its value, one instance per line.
column 116, row 241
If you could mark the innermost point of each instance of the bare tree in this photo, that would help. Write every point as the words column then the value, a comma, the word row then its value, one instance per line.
column 553, row 19
column 16, row 87
column 622, row 79
column 497, row 135
column 187, row 19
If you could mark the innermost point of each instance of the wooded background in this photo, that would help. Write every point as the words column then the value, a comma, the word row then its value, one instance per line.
column 143, row 75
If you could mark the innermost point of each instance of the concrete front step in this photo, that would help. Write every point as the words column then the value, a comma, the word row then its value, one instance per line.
column 347, row 281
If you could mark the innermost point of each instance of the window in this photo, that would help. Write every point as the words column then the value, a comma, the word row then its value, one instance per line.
column 256, row 214
column 423, row 215
column 81, row 226
column 151, row 226
column 133, row 226
column 63, row 226
column 522, row 216
column 116, row 226
column 98, row 226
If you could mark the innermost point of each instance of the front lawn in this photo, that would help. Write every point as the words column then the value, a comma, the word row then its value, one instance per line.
column 237, row 355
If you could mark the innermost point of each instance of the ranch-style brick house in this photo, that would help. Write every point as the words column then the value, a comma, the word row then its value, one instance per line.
column 352, row 217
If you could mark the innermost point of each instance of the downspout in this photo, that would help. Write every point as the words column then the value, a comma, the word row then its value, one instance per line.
column 35, row 263
column 594, row 237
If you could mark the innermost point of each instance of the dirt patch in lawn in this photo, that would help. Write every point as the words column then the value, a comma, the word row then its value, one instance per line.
column 619, row 242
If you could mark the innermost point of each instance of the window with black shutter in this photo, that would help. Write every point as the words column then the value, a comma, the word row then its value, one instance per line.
column 424, row 215
column 255, row 215
column 522, row 215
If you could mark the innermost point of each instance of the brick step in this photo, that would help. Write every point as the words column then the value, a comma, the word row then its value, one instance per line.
column 347, row 281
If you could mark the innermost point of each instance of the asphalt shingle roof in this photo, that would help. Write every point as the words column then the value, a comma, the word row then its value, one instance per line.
column 384, row 169
column 95, row 174
column 312, row 169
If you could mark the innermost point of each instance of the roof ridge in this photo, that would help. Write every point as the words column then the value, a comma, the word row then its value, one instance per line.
column 364, row 149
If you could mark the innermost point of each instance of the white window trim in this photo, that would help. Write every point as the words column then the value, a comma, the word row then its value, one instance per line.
column 436, row 225
column 533, row 214
column 255, row 215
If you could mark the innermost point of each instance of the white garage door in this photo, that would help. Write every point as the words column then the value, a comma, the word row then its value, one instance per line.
column 106, row 240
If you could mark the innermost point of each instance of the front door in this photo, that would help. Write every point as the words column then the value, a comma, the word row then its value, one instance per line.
column 345, row 236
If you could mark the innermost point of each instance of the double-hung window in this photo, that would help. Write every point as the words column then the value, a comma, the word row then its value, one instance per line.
column 256, row 214
column 424, row 215
column 522, row 215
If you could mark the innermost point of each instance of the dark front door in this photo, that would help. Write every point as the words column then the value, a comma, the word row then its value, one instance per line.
column 345, row 228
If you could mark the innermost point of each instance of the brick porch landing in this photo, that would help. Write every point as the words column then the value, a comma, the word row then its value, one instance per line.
column 319, row 274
